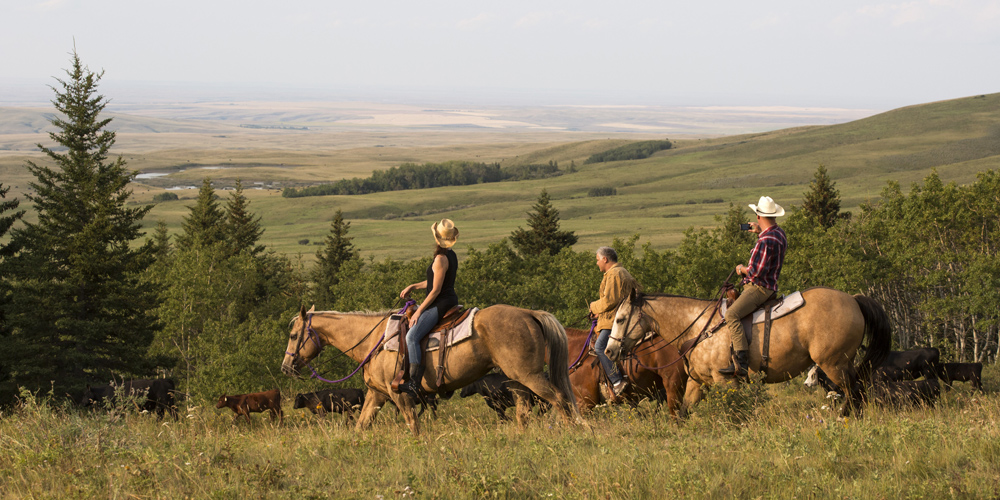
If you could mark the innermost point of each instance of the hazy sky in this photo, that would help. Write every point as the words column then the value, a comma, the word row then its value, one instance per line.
column 843, row 53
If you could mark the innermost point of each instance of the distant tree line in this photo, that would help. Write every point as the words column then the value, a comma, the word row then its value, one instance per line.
column 633, row 151
column 601, row 191
column 427, row 175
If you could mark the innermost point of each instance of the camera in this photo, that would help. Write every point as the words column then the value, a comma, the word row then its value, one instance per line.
column 745, row 227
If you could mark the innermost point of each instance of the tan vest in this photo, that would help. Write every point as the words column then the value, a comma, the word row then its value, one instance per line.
column 616, row 287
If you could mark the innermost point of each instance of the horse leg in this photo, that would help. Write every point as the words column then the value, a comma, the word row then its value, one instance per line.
column 544, row 389
column 522, row 403
column 847, row 381
column 693, row 393
column 671, row 387
column 407, row 405
column 373, row 403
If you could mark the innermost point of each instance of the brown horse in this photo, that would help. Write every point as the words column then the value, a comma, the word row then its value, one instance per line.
column 509, row 338
column 827, row 330
column 655, row 371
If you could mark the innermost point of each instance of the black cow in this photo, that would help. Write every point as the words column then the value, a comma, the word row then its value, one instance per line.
column 156, row 395
column 497, row 390
column 962, row 372
column 910, row 365
column 341, row 401
column 906, row 393
column 898, row 366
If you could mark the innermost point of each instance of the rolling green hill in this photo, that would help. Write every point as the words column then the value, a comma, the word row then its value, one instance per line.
column 658, row 197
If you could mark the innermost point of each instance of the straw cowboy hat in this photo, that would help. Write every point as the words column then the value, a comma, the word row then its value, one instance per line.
column 766, row 207
column 445, row 233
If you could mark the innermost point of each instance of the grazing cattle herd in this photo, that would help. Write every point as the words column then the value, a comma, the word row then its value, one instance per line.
column 911, row 378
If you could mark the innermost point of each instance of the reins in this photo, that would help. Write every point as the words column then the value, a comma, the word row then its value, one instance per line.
column 586, row 346
column 716, row 305
column 315, row 338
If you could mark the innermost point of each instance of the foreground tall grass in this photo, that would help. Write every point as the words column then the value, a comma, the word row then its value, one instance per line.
column 792, row 446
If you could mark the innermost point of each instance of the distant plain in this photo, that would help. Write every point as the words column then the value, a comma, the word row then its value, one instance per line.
column 722, row 156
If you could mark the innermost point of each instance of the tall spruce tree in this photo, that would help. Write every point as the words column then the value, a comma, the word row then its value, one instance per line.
column 204, row 226
column 822, row 201
column 7, row 221
column 79, row 310
column 330, row 261
column 161, row 241
column 242, row 227
column 543, row 235
column 6, row 250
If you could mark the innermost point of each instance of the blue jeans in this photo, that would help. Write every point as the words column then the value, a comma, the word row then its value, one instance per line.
column 425, row 323
column 610, row 368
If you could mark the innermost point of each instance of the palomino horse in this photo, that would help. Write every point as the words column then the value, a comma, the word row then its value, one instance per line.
column 509, row 338
column 656, row 370
column 827, row 330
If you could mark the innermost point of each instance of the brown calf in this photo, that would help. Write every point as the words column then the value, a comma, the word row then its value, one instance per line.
column 244, row 404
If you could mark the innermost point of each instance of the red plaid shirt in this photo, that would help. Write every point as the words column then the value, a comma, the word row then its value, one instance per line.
column 766, row 258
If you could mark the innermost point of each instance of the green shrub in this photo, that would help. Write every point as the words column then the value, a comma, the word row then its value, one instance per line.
column 734, row 404
column 164, row 197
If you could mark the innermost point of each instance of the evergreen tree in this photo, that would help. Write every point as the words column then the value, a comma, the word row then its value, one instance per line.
column 7, row 221
column 543, row 235
column 161, row 241
column 204, row 225
column 79, row 310
column 822, row 202
column 330, row 261
column 242, row 227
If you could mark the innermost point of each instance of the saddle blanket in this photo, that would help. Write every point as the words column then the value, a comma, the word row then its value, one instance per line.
column 788, row 304
column 457, row 334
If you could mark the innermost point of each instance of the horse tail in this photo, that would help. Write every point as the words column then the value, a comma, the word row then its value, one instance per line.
column 878, row 332
column 557, row 344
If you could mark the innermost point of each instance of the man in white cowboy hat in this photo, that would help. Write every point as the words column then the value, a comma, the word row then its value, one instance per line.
column 760, row 278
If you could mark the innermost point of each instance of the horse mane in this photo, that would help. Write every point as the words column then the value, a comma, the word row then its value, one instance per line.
column 365, row 313
column 641, row 298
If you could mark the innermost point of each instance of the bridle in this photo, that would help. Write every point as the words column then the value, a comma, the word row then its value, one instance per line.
column 307, row 328
column 628, row 333
column 717, row 303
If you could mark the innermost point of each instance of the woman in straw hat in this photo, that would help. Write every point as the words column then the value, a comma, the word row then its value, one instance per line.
column 440, row 298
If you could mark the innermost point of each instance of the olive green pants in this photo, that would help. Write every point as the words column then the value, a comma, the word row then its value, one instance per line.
column 751, row 298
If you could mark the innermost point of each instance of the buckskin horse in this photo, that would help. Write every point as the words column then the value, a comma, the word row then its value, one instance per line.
column 509, row 338
column 828, row 330
column 655, row 370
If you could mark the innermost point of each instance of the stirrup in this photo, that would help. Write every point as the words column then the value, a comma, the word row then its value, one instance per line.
column 620, row 387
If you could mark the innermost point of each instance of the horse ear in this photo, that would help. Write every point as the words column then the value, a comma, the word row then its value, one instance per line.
column 311, row 309
column 302, row 310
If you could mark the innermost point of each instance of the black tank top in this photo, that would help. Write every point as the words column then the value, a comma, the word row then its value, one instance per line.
column 447, row 298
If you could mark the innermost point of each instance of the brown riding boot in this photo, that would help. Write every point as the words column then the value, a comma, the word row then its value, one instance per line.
column 739, row 368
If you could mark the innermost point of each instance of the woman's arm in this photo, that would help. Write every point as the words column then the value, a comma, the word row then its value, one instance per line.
column 416, row 286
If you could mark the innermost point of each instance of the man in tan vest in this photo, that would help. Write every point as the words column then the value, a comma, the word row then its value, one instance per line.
column 616, row 287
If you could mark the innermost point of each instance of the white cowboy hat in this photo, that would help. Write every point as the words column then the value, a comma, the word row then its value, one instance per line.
column 445, row 233
column 766, row 207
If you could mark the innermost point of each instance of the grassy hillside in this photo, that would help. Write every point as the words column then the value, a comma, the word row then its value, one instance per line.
column 658, row 197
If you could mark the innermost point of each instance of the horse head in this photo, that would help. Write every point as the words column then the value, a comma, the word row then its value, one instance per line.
column 628, row 327
column 304, row 343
